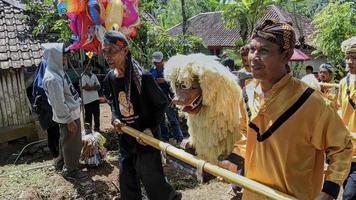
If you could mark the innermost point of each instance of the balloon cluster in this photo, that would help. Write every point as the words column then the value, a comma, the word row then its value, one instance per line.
column 90, row 19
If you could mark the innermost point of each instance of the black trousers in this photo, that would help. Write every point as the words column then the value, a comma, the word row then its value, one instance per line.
column 53, row 140
column 92, row 109
column 144, row 166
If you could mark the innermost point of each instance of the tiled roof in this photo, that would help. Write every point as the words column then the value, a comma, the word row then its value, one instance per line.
column 210, row 27
column 17, row 46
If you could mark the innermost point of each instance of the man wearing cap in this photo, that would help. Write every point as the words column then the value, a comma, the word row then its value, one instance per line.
column 136, row 101
column 157, row 73
column 347, row 103
column 327, row 85
column 65, row 102
column 286, row 143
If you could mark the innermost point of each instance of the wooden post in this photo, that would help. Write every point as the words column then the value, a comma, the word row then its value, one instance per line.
column 23, row 96
column 11, row 97
column 2, row 100
column 7, row 100
column 17, row 99
column 82, row 58
column 18, row 77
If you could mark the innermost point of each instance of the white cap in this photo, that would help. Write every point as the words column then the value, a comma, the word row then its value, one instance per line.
column 157, row 56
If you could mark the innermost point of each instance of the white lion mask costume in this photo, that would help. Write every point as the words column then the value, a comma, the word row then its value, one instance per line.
column 213, row 116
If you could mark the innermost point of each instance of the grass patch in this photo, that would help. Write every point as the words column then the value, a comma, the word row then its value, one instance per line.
column 19, row 179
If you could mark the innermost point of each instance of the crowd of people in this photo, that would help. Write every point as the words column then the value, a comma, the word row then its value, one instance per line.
column 291, row 129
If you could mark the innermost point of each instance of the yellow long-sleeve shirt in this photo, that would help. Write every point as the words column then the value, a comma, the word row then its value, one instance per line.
column 291, row 160
column 348, row 113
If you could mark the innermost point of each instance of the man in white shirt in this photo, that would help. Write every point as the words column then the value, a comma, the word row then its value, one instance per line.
column 90, row 86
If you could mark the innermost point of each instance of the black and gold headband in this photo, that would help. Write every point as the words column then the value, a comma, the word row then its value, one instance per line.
column 278, row 32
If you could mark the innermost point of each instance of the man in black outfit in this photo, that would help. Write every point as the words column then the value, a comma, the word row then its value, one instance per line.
column 137, row 101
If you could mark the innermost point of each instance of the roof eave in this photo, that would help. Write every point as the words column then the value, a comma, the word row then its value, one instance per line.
column 15, row 4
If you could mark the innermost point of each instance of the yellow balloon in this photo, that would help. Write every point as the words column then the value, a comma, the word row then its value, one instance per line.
column 114, row 14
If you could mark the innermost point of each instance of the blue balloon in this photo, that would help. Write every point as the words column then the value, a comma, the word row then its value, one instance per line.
column 94, row 10
column 61, row 8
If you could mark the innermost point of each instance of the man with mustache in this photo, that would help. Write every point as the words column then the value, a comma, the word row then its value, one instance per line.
column 347, row 102
column 286, row 143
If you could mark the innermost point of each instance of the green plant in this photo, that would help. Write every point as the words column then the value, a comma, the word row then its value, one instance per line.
column 244, row 15
column 44, row 21
column 334, row 24
column 151, row 38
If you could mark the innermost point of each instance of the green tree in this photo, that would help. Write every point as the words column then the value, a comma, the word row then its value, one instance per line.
column 334, row 24
column 44, row 21
column 151, row 38
column 305, row 8
column 244, row 15
column 172, row 13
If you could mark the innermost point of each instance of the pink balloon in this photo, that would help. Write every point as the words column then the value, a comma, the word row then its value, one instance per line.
column 74, row 23
column 130, row 12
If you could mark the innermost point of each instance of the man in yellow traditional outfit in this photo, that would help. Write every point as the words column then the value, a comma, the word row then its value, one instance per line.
column 347, row 101
column 327, row 85
column 291, row 127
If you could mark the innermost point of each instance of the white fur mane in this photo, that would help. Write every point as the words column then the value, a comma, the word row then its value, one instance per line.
column 213, row 130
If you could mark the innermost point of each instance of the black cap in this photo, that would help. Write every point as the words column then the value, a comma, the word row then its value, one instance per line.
column 117, row 38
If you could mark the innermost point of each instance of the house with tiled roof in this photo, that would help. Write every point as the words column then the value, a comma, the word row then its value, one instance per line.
column 210, row 27
column 18, row 51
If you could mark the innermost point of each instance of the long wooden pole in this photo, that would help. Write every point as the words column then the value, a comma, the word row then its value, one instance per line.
column 329, row 84
column 210, row 168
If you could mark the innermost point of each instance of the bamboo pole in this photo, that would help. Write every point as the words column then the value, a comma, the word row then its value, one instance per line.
column 329, row 84
column 229, row 176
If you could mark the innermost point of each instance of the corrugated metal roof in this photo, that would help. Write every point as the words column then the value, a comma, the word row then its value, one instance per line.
column 210, row 27
column 17, row 47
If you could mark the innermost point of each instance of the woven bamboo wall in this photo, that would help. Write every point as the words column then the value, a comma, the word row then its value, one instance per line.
column 14, row 104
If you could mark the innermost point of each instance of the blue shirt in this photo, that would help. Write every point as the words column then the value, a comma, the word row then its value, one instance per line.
column 158, row 73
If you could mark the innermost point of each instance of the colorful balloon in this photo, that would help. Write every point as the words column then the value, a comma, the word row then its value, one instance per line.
column 84, row 23
column 114, row 14
column 74, row 23
column 70, row 6
column 96, row 11
column 87, row 19
column 130, row 12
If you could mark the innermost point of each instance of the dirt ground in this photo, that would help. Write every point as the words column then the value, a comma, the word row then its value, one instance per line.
column 33, row 177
